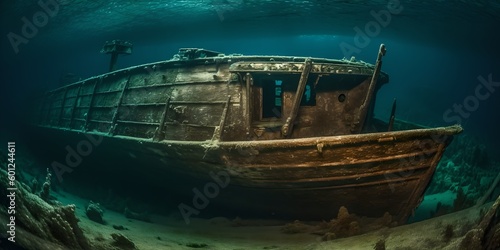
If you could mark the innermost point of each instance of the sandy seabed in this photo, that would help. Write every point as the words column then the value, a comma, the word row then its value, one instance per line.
column 222, row 233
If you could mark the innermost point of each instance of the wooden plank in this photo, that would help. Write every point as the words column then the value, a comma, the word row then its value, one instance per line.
column 175, row 83
column 160, row 133
column 143, row 104
column 100, row 121
column 103, row 107
column 109, row 92
column 138, row 123
column 190, row 125
column 115, row 114
column 417, row 195
column 197, row 102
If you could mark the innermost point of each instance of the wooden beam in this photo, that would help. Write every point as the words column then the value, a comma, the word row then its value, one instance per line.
column 362, row 111
column 138, row 123
column 74, row 106
column 218, row 130
column 115, row 114
column 287, row 128
column 87, row 118
column 393, row 115
column 160, row 132
column 248, row 109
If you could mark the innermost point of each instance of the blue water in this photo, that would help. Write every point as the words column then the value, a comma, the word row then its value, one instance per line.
column 443, row 57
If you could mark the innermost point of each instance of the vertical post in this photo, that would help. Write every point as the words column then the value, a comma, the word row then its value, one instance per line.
column 115, row 48
column 112, row 62
column 362, row 111
column 218, row 129
column 393, row 115
column 286, row 129
column 249, row 112
column 115, row 114
column 87, row 118
column 74, row 106
column 160, row 133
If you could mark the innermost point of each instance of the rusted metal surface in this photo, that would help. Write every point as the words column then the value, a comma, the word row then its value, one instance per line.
column 225, row 113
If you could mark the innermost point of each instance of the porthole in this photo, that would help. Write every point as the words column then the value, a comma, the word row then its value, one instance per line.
column 341, row 98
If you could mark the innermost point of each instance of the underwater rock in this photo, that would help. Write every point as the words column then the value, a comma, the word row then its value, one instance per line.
column 94, row 212
column 476, row 154
column 486, row 235
column 196, row 245
column 493, row 241
column 471, row 169
column 329, row 236
column 34, row 186
column 56, row 224
column 345, row 225
column 295, row 227
column 122, row 242
column 385, row 221
column 119, row 227
column 343, row 214
column 45, row 193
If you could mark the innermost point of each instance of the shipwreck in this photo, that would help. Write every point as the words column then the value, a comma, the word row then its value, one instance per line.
column 293, row 137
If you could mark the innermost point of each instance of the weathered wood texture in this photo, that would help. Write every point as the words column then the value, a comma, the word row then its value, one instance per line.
column 306, row 178
column 213, row 114
column 132, row 102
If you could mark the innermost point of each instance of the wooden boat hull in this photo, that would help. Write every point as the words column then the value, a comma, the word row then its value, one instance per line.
column 307, row 178
column 290, row 134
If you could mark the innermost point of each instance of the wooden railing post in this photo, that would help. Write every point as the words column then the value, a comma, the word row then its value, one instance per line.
column 286, row 129
column 248, row 112
column 160, row 132
column 87, row 118
column 74, row 106
column 115, row 114
column 218, row 130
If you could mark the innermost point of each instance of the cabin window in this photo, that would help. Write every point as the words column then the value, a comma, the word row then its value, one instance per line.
column 268, row 96
column 271, row 98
